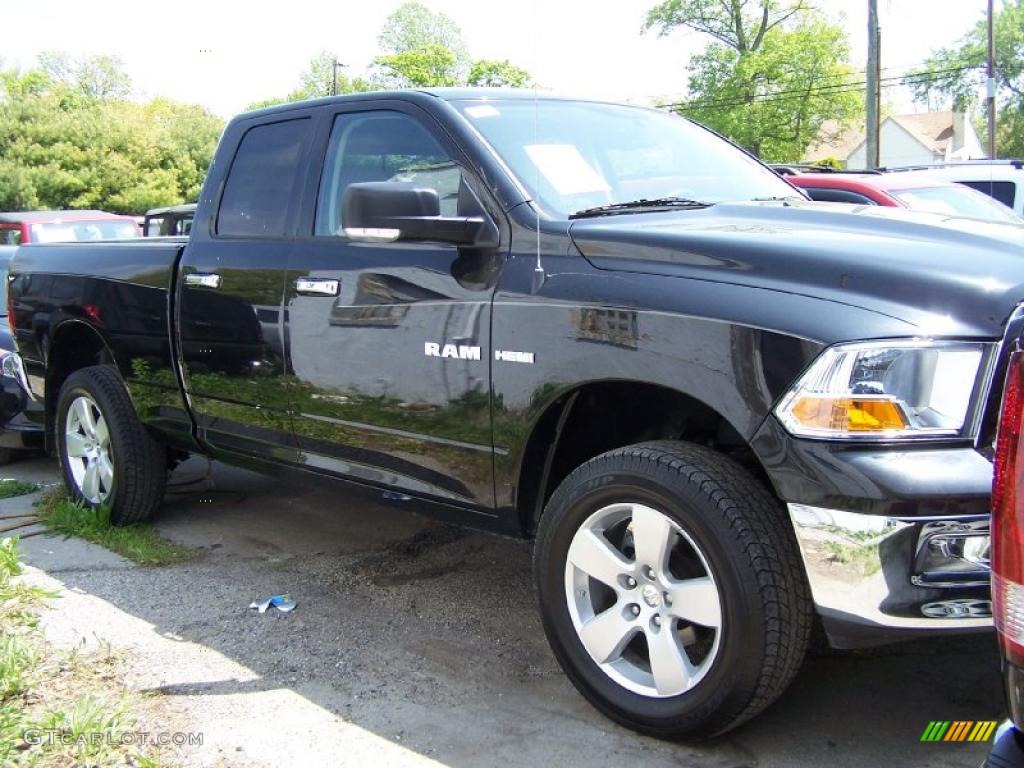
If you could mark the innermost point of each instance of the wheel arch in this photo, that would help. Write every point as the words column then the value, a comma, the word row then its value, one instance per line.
column 564, row 434
column 74, row 344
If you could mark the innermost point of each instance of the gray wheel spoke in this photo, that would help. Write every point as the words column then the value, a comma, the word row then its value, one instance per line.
column 593, row 554
column 670, row 667
column 85, row 417
column 102, row 435
column 75, row 445
column 106, row 472
column 90, row 481
column 607, row 634
column 696, row 601
column 653, row 537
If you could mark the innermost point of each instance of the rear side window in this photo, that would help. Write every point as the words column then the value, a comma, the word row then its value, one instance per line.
column 1003, row 191
column 262, row 180
column 838, row 196
column 10, row 236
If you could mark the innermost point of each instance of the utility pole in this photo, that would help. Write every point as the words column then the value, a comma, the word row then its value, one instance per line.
column 334, row 75
column 990, row 85
column 872, row 160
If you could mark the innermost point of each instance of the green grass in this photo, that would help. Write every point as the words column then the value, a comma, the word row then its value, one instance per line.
column 138, row 541
column 11, row 487
column 44, row 688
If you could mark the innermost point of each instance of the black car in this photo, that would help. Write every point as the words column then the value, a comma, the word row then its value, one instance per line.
column 21, row 413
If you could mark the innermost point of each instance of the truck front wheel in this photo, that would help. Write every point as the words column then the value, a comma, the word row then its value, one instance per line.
column 106, row 456
column 671, row 590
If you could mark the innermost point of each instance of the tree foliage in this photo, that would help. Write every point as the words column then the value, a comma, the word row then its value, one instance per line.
column 957, row 75
column 421, row 48
column 420, row 67
column 497, row 74
column 769, row 78
column 69, row 139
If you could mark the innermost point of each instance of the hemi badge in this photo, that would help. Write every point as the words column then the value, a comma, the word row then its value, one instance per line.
column 509, row 356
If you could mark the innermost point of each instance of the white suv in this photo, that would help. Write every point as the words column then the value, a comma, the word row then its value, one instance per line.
column 1002, row 179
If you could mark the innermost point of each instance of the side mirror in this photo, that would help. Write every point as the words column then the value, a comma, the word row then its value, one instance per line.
column 386, row 211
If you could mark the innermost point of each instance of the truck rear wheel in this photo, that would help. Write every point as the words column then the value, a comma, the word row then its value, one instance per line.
column 106, row 456
column 671, row 590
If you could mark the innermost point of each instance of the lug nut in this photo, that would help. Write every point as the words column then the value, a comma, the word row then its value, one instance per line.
column 635, row 609
column 657, row 621
column 630, row 582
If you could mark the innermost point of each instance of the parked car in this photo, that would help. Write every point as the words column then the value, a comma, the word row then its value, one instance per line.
column 916, row 191
column 21, row 415
column 20, row 227
column 169, row 222
column 1008, row 558
column 1000, row 179
column 725, row 412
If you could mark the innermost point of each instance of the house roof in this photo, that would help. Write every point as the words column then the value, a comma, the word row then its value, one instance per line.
column 933, row 129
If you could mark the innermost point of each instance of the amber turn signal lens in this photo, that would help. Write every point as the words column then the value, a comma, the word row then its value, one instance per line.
column 848, row 414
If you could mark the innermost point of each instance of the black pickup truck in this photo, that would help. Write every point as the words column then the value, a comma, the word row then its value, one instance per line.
column 725, row 413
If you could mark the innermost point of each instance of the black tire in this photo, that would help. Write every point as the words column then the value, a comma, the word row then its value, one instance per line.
column 742, row 534
column 139, row 462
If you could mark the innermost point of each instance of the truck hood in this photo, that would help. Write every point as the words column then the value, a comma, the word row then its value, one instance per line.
column 947, row 276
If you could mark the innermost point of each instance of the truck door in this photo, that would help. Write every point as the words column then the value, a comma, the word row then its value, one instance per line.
column 230, row 292
column 389, row 341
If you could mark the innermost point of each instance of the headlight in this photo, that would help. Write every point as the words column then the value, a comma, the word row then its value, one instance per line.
column 885, row 390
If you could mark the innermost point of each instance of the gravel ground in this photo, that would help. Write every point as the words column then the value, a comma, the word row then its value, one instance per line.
column 418, row 643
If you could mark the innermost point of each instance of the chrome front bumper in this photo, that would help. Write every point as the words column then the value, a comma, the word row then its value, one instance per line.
column 877, row 579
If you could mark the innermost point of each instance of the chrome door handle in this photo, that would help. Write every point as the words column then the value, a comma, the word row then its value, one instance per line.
column 317, row 286
column 203, row 280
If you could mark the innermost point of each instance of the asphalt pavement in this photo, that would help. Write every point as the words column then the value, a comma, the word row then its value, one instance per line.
column 415, row 643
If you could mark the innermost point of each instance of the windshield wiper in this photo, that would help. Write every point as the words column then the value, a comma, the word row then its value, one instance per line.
column 778, row 199
column 639, row 205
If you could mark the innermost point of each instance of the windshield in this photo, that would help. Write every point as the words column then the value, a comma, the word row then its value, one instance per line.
column 576, row 155
column 956, row 200
column 66, row 231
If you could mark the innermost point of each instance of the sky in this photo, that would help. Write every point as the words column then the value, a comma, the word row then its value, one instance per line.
column 225, row 54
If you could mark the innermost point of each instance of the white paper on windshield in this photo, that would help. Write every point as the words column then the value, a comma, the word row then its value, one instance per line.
column 482, row 110
column 566, row 170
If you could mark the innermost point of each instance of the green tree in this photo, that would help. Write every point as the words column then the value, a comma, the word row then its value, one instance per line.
column 774, row 73
column 493, row 73
column 65, row 146
column 413, row 26
column 957, row 75
column 426, row 66
column 94, row 77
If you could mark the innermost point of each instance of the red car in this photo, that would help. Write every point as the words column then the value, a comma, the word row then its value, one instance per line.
column 908, row 189
column 19, row 227
column 1008, row 558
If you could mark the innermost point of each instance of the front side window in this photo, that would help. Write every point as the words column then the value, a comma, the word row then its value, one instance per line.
column 572, row 155
column 261, row 183
column 382, row 146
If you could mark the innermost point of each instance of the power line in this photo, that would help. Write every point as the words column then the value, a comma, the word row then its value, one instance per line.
column 839, row 87
column 916, row 78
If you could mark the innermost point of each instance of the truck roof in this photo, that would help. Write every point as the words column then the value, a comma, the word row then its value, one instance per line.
column 445, row 94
